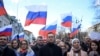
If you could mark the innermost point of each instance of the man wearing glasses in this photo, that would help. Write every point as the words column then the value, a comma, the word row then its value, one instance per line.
column 4, row 50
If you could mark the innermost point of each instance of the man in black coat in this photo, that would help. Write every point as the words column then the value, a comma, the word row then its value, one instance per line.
column 39, row 44
column 4, row 50
column 86, row 44
column 50, row 49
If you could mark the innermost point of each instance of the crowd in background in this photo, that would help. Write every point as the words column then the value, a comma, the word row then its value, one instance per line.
column 49, row 46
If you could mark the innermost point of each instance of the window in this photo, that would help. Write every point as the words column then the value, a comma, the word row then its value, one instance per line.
column 0, row 23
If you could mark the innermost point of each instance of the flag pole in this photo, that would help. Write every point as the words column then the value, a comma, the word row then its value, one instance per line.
column 78, row 35
column 17, row 17
column 80, row 28
column 18, row 9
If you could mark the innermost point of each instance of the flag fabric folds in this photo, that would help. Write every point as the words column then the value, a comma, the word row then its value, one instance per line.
column 46, row 29
column 52, row 28
column 67, row 21
column 21, row 36
column 42, row 31
column 75, row 29
column 2, row 9
column 14, row 36
column 37, row 15
column 6, row 30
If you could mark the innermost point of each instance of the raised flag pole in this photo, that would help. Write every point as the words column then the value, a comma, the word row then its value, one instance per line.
column 80, row 29
column 78, row 35
column 76, row 23
column 18, row 3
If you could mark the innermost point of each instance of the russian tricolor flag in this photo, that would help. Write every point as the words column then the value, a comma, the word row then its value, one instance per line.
column 67, row 21
column 14, row 36
column 75, row 29
column 37, row 15
column 2, row 9
column 6, row 30
column 42, row 31
column 21, row 36
column 52, row 28
column 45, row 30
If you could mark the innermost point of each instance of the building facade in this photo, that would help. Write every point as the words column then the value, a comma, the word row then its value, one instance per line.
column 4, row 21
column 95, row 28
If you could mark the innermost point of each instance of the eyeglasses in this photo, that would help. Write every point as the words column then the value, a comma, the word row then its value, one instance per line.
column 23, row 43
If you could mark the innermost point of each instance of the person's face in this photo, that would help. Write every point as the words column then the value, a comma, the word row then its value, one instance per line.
column 58, row 41
column 51, row 38
column 94, row 46
column 3, row 40
column 9, row 44
column 24, row 45
column 76, row 44
column 15, row 44
column 87, row 40
column 62, row 45
column 44, row 42
column 39, row 41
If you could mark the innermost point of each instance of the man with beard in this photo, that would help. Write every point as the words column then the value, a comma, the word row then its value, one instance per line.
column 39, row 44
column 50, row 49
column 4, row 50
column 86, row 44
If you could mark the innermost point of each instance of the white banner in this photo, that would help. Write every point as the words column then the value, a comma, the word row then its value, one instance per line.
column 94, row 35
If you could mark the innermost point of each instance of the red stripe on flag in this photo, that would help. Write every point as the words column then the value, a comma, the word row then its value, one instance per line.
column 6, row 33
column 44, row 33
column 2, row 11
column 41, row 21
column 73, row 33
column 21, row 39
column 67, row 24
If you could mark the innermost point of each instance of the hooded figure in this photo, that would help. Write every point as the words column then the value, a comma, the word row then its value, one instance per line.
column 76, row 49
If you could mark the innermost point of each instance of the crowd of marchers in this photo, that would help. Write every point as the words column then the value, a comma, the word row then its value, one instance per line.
column 50, row 46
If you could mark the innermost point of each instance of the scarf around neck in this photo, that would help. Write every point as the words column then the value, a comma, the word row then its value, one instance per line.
column 76, row 52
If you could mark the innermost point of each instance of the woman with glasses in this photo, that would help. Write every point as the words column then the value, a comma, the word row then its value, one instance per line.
column 25, row 49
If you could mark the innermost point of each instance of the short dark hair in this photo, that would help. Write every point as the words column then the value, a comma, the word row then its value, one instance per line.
column 97, row 43
column 4, row 36
column 16, row 41
column 40, row 37
column 50, row 33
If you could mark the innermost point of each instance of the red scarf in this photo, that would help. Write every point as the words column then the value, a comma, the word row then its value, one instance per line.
column 23, row 50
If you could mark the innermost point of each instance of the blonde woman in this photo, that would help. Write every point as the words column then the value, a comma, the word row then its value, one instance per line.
column 24, row 49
